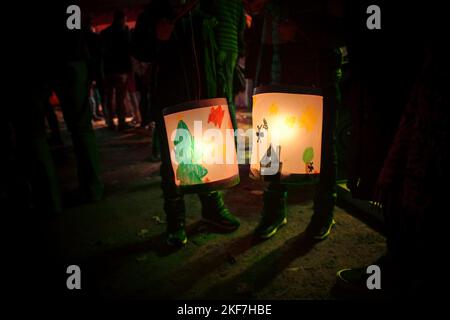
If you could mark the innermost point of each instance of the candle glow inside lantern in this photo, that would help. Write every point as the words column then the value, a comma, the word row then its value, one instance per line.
column 287, row 134
column 201, row 142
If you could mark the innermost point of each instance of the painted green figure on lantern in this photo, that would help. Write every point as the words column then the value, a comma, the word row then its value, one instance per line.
column 189, row 170
column 308, row 156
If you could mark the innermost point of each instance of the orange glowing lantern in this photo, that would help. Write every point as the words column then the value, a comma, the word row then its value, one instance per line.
column 201, row 142
column 287, row 134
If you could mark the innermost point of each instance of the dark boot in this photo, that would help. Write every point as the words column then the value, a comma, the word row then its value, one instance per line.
column 215, row 213
column 322, row 221
column 176, row 221
column 320, row 226
column 273, row 214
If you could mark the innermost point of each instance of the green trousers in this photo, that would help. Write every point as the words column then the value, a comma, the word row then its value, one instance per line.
column 226, row 65
column 71, row 86
column 73, row 93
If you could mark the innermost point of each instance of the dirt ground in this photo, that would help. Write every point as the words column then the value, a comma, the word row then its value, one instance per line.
column 119, row 241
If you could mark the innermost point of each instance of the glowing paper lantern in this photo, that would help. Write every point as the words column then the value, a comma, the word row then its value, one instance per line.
column 201, row 142
column 287, row 129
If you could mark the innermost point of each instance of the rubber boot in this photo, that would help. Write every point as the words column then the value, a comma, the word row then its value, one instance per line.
column 273, row 214
column 215, row 213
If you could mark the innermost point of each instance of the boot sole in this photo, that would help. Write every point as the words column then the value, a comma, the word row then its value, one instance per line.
column 327, row 233
column 274, row 231
column 178, row 244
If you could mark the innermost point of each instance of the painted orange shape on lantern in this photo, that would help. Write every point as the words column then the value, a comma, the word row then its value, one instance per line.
column 273, row 109
column 216, row 116
column 308, row 119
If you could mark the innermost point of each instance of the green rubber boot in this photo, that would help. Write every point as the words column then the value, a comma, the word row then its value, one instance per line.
column 322, row 221
column 320, row 227
column 215, row 213
column 273, row 214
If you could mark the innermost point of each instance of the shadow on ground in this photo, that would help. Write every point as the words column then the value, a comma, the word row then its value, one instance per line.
column 119, row 242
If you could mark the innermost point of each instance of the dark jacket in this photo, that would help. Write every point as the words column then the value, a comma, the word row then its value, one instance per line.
column 142, row 48
column 116, row 41
column 180, row 60
column 311, row 59
column 45, row 42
